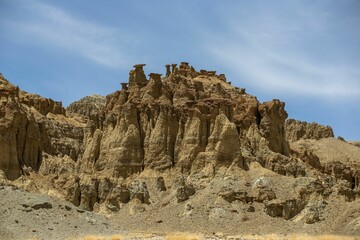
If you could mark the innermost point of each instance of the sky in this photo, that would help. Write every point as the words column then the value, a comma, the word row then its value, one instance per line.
column 303, row 52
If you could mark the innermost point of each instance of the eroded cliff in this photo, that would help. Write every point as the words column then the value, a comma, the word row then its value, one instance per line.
column 160, row 143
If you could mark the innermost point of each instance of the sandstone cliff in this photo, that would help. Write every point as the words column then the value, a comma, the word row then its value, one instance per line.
column 87, row 106
column 160, row 142
column 32, row 127
column 296, row 130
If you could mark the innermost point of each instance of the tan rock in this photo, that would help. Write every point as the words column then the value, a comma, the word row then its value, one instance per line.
column 42, row 105
column 273, row 116
column 87, row 106
column 137, row 76
column 19, row 133
column 296, row 130
column 190, row 136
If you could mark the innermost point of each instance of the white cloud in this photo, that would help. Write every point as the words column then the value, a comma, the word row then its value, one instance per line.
column 268, row 62
column 280, row 73
column 54, row 27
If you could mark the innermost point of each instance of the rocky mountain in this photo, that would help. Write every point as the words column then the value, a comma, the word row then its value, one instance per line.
column 87, row 106
column 185, row 148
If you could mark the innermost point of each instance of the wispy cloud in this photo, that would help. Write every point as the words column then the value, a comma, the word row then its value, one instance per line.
column 277, row 72
column 279, row 56
column 54, row 27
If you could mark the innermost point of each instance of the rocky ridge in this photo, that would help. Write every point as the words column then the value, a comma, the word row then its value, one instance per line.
column 185, row 144
column 87, row 106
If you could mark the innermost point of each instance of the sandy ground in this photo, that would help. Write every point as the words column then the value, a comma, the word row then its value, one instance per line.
column 219, row 236
column 25, row 215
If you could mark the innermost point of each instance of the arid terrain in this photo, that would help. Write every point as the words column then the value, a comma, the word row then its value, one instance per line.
column 185, row 155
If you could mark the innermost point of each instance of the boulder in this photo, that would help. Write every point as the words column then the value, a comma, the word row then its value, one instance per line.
column 138, row 189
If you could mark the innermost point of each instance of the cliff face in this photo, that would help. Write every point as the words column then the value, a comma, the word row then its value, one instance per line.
column 14, row 126
column 87, row 106
column 297, row 130
column 158, row 139
column 177, row 120
column 31, row 126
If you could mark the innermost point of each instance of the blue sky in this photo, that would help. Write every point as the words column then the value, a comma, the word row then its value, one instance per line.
column 306, row 53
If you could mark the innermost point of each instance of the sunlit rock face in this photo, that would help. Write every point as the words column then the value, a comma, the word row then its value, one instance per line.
column 184, row 137
column 160, row 123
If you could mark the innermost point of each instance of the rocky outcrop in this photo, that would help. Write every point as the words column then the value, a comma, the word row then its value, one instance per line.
column 187, row 119
column 357, row 144
column 30, row 126
column 41, row 104
column 296, row 130
column 273, row 116
column 334, row 158
column 184, row 190
column 180, row 120
column 172, row 140
column 286, row 210
column 20, row 143
column 87, row 106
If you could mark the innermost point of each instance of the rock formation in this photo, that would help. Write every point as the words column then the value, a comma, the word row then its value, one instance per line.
column 87, row 106
column 31, row 126
column 175, row 138
column 296, row 130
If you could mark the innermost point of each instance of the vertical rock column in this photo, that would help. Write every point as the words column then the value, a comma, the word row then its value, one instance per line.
column 168, row 72
column 137, row 76
column 174, row 69
column 272, row 125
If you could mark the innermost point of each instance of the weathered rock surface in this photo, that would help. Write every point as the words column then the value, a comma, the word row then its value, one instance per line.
column 296, row 130
column 19, row 133
column 87, row 106
column 272, row 119
column 160, row 143
column 41, row 104
column 32, row 126
column 334, row 158
column 355, row 143
column 26, row 215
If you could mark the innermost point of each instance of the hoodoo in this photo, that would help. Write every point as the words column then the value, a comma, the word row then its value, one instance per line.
column 188, row 147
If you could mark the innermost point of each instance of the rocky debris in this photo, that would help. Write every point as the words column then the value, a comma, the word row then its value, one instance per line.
column 88, row 193
column 184, row 190
column 313, row 212
column 119, row 194
column 284, row 165
column 138, row 189
column 345, row 189
column 296, row 130
column 44, row 205
column 324, row 155
column 274, row 209
column 287, row 209
column 35, row 216
column 231, row 196
column 69, row 185
column 160, row 184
